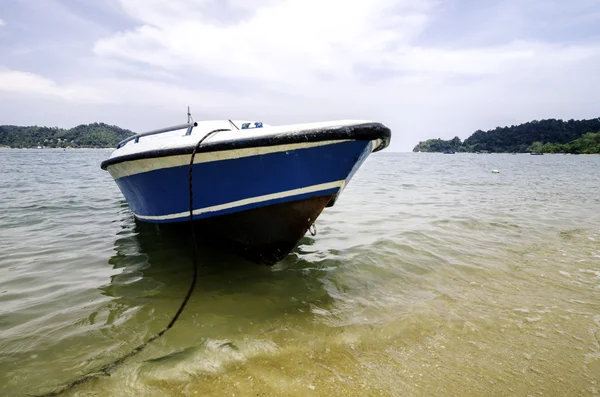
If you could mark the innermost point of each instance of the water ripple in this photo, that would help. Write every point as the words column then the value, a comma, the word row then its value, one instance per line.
column 430, row 276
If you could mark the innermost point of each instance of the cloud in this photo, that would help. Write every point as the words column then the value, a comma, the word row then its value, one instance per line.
column 286, row 44
column 22, row 82
column 335, row 51
column 2, row 23
column 298, row 42
column 98, row 91
column 425, row 68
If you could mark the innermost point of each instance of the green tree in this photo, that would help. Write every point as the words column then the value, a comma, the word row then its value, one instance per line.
column 96, row 135
column 520, row 138
column 536, row 147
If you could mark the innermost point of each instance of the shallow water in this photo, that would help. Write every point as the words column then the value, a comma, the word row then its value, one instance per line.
column 430, row 276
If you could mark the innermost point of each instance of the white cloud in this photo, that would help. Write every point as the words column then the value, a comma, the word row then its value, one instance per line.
column 315, row 49
column 18, row 82
column 288, row 44
column 116, row 91
column 2, row 23
column 306, row 60
column 296, row 42
column 22, row 82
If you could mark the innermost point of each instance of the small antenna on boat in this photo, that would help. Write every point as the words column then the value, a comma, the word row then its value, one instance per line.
column 191, row 123
column 233, row 124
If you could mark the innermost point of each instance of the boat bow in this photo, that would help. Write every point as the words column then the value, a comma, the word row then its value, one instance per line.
column 258, row 187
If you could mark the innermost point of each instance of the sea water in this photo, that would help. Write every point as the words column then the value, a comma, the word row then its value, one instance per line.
column 430, row 276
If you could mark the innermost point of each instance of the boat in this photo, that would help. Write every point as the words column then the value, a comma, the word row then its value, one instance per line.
column 257, row 188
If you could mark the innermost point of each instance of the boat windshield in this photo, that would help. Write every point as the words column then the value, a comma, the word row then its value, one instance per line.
column 257, row 124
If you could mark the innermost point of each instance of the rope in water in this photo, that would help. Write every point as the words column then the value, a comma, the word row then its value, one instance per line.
column 110, row 367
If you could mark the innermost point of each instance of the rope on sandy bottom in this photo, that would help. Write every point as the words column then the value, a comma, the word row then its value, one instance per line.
column 107, row 369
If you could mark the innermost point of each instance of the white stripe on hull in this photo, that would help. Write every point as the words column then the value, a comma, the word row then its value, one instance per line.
column 252, row 200
column 128, row 168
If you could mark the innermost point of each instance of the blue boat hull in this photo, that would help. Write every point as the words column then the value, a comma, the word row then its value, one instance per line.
column 259, row 196
column 239, row 184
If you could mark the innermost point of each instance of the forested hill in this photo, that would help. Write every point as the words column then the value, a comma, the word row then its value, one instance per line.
column 96, row 135
column 522, row 138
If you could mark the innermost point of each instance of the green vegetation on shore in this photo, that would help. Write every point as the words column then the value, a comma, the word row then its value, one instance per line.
column 544, row 136
column 587, row 144
column 96, row 135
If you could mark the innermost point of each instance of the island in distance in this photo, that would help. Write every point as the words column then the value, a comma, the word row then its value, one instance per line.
column 95, row 135
column 543, row 136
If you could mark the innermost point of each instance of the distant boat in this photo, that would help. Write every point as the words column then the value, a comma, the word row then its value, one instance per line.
column 536, row 154
column 448, row 152
column 259, row 188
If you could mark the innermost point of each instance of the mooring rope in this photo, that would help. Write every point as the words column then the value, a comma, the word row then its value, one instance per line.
column 110, row 367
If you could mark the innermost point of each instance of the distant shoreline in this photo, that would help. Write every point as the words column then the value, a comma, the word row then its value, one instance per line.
column 549, row 136
column 83, row 136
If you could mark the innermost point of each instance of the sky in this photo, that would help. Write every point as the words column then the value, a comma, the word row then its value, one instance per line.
column 424, row 68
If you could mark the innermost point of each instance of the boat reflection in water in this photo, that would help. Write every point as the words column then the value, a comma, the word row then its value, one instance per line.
column 238, row 310
column 232, row 294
